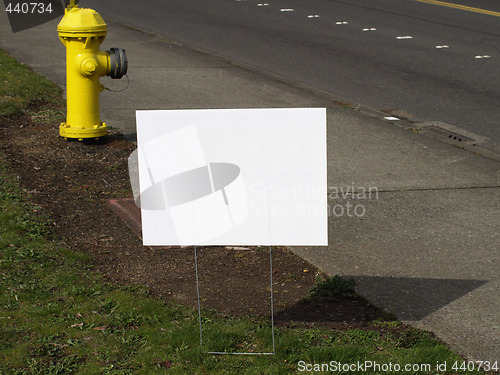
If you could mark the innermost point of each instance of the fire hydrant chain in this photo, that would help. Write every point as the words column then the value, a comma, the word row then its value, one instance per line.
column 82, row 31
column 126, row 86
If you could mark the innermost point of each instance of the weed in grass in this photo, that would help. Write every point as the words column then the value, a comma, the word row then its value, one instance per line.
column 111, row 167
column 332, row 288
column 391, row 323
column 411, row 338
column 359, row 336
column 50, row 115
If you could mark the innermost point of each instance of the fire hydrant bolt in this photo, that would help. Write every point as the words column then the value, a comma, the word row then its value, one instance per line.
column 88, row 66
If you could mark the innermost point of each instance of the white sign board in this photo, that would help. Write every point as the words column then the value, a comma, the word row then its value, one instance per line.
column 233, row 176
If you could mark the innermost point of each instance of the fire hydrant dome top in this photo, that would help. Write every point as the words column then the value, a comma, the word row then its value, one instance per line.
column 82, row 21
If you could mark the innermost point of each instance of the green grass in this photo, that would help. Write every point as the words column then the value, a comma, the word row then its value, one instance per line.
column 20, row 86
column 57, row 316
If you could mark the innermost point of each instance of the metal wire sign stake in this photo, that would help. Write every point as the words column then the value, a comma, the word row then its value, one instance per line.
column 272, row 309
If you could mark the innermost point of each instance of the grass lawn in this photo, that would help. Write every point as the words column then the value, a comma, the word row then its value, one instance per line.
column 57, row 316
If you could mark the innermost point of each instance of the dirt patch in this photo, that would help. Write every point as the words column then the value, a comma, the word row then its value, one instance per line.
column 73, row 180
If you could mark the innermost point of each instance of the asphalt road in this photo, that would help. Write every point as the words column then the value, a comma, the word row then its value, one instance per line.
column 423, row 61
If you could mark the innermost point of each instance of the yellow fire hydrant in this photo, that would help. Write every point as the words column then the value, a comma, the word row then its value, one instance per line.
column 82, row 31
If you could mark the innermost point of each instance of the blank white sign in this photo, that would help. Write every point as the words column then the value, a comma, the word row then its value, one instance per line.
column 233, row 176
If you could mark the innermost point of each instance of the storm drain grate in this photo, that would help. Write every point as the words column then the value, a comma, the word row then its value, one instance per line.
column 450, row 135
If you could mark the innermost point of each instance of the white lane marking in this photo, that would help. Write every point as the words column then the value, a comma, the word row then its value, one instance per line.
column 313, row 16
column 370, row 29
column 341, row 23
column 483, row 57
column 390, row 118
column 404, row 37
column 443, row 46
column 263, row 4
column 286, row 10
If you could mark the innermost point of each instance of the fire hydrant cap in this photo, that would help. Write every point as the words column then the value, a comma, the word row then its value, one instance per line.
column 82, row 21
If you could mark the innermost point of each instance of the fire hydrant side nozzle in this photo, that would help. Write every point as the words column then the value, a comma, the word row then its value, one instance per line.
column 82, row 31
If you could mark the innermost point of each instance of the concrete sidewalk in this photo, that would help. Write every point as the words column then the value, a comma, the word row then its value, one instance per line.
column 422, row 242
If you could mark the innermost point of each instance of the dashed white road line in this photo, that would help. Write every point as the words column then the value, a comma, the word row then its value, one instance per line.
column 400, row 37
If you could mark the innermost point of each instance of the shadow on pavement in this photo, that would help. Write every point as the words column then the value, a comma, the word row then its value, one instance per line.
column 413, row 298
